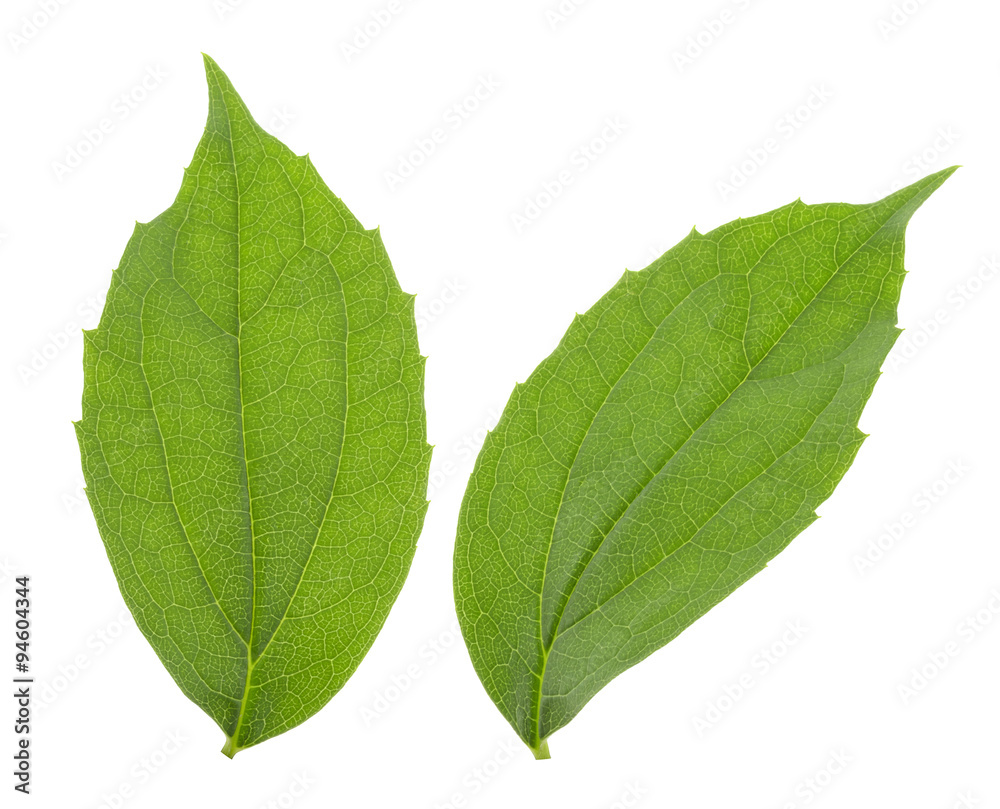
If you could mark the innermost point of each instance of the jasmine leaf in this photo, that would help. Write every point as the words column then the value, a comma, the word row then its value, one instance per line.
column 253, row 432
column 682, row 433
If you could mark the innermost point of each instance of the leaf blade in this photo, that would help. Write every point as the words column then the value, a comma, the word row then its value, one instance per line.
column 253, row 433
column 606, row 510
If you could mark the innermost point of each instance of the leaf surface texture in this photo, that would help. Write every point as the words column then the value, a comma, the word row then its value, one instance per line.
column 253, row 432
column 682, row 433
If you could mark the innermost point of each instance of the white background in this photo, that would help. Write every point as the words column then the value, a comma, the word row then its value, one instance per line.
column 905, row 96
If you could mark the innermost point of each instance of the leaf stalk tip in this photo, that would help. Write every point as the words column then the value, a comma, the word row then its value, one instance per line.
column 230, row 748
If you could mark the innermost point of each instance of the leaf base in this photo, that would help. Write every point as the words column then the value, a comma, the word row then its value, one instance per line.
column 231, row 748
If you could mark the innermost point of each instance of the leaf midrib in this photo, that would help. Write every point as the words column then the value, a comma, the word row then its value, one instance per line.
column 242, row 427
column 252, row 661
column 546, row 650
column 687, row 542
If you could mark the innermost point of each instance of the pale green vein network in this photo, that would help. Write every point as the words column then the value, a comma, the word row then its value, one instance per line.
column 166, row 464
column 683, row 432
column 694, row 430
column 253, row 434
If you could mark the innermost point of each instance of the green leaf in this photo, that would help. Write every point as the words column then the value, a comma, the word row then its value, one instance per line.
column 253, row 433
column 682, row 433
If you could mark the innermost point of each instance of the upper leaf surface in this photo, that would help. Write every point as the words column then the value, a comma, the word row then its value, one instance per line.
column 253, row 432
column 683, row 432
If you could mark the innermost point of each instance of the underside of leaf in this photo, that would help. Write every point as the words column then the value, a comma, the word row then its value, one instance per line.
column 253, row 432
column 681, row 435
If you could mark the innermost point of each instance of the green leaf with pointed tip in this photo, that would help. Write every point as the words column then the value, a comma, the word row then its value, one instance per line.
column 682, row 433
column 253, row 433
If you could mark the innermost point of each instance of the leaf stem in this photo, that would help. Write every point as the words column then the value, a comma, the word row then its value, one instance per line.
column 231, row 748
column 542, row 751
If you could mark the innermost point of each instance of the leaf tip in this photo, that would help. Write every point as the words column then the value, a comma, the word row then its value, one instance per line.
column 211, row 66
column 213, row 73
column 937, row 179
column 916, row 194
